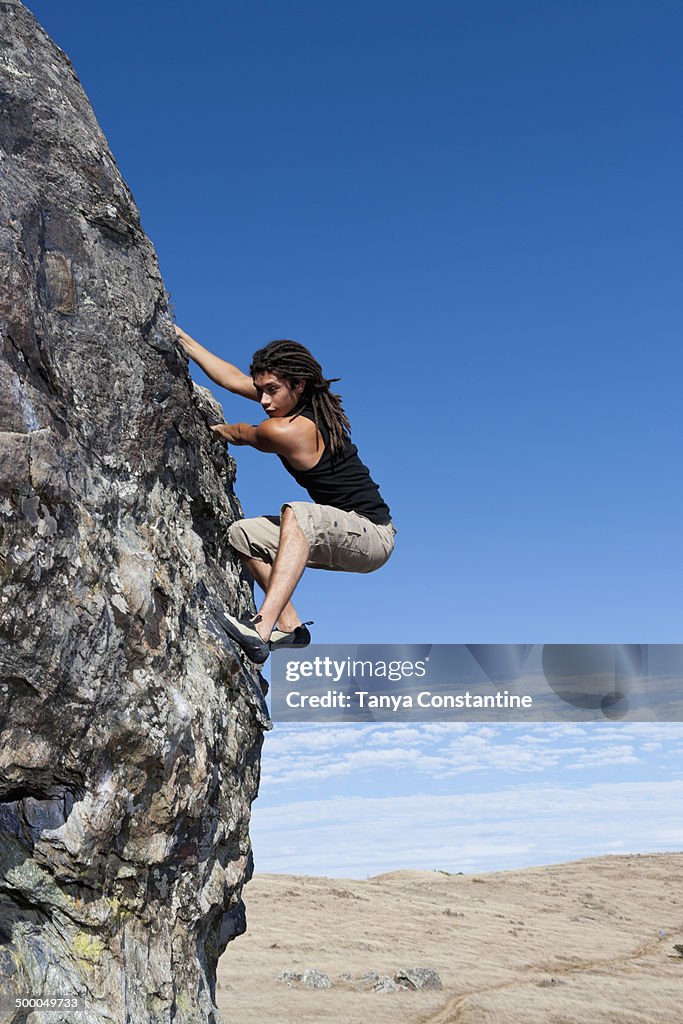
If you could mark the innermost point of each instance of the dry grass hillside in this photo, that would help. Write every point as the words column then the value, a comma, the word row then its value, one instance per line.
column 587, row 942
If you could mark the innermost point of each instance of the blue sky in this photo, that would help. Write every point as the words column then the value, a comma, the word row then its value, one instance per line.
column 471, row 213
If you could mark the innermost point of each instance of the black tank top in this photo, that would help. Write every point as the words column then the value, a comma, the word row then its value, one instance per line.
column 344, row 482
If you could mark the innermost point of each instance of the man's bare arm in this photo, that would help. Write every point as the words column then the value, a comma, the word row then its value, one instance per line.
column 219, row 370
column 276, row 436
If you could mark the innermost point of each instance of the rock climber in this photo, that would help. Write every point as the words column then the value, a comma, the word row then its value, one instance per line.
column 346, row 527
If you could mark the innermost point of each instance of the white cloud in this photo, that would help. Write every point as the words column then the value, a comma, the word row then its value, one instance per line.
column 602, row 757
column 501, row 828
column 470, row 797
column 295, row 754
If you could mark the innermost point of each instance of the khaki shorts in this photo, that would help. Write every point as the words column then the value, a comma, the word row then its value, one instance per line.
column 343, row 541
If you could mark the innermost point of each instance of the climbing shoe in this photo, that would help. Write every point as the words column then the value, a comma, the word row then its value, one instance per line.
column 245, row 635
column 299, row 637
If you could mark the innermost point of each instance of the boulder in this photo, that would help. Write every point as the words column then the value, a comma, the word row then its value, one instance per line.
column 130, row 728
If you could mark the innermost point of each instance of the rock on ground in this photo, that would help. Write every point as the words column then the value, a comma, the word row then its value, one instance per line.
column 418, row 977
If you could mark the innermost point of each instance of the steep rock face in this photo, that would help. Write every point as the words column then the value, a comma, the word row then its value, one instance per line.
column 130, row 728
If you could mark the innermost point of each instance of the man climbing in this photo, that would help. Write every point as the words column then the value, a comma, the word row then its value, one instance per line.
column 347, row 527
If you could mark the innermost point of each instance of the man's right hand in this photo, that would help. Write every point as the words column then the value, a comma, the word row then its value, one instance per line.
column 185, row 340
column 219, row 370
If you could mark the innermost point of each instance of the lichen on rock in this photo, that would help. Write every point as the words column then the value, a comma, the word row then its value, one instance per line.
column 131, row 729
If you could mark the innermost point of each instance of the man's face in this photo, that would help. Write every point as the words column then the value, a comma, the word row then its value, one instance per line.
column 276, row 395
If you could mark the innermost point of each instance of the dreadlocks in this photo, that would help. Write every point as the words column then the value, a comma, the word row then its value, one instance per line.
column 294, row 363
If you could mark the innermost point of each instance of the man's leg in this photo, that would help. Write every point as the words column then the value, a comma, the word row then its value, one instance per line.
column 321, row 536
column 288, row 619
column 288, row 567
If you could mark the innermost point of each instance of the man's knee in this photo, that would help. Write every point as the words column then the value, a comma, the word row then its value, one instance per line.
column 295, row 527
column 244, row 545
column 237, row 538
column 298, row 513
column 255, row 538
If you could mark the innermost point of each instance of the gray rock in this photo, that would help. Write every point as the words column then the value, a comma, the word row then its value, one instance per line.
column 289, row 976
column 311, row 978
column 130, row 729
column 385, row 984
column 418, row 978
column 367, row 981
column 315, row 979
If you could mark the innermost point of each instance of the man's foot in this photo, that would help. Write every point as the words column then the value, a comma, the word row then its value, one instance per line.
column 299, row 637
column 245, row 634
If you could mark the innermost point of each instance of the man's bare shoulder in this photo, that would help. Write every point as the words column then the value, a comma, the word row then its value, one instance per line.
column 285, row 435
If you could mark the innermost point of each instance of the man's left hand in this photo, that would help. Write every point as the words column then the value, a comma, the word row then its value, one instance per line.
column 227, row 431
